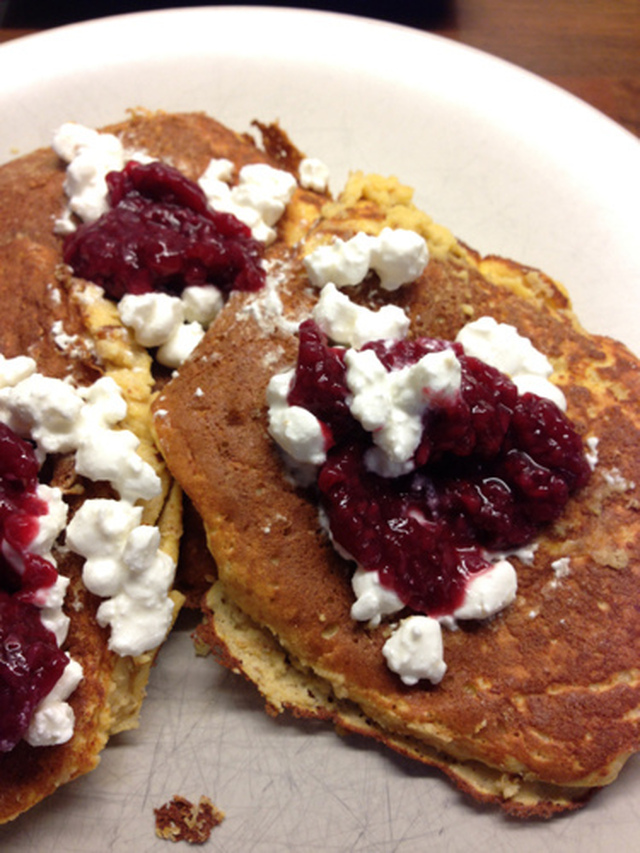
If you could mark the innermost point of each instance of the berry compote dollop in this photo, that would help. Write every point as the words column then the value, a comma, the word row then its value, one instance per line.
column 30, row 660
column 160, row 234
column 492, row 467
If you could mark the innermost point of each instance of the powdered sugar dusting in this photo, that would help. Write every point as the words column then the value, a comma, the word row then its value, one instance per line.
column 266, row 308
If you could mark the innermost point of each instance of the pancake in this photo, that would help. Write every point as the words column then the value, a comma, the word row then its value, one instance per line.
column 539, row 705
column 109, row 697
column 74, row 333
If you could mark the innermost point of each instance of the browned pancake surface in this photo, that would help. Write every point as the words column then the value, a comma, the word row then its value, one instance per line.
column 32, row 301
column 39, row 301
column 548, row 690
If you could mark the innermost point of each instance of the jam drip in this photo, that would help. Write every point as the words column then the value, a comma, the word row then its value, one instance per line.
column 159, row 234
column 491, row 469
column 30, row 660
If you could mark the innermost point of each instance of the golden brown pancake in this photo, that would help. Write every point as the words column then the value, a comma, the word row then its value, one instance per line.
column 539, row 706
column 109, row 697
column 39, row 299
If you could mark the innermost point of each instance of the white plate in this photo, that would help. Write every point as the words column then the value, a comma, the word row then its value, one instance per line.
column 514, row 166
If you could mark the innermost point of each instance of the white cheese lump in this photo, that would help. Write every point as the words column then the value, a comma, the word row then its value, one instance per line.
column 353, row 325
column 414, row 651
column 53, row 720
column 488, row 592
column 390, row 404
column 173, row 324
column 258, row 199
column 314, row 174
column 501, row 346
column 373, row 599
column 124, row 562
column 296, row 430
column 90, row 156
column 397, row 255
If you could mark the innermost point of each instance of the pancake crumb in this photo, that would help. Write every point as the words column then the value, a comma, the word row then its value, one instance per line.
column 182, row 820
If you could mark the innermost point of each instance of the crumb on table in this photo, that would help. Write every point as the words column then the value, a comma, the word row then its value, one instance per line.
column 182, row 820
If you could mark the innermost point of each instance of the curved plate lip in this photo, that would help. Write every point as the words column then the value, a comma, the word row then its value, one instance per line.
column 543, row 132
column 143, row 35
column 546, row 179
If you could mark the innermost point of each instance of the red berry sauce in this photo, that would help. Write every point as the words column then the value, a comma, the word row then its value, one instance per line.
column 30, row 660
column 492, row 467
column 159, row 234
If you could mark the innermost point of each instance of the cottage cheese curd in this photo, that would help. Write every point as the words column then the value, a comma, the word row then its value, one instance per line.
column 353, row 325
column 258, row 199
column 397, row 255
column 415, row 651
column 90, row 156
column 298, row 432
column 501, row 346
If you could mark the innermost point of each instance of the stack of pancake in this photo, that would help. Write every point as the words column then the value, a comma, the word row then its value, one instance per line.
column 539, row 706
column 72, row 332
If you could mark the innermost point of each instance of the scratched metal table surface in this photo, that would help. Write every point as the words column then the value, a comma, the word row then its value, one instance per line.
column 503, row 158
column 285, row 785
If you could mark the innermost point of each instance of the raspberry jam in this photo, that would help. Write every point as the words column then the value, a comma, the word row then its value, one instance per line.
column 492, row 467
column 160, row 235
column 30, row 660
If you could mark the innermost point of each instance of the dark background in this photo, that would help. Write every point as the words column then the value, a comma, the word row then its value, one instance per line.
column 48, row 13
